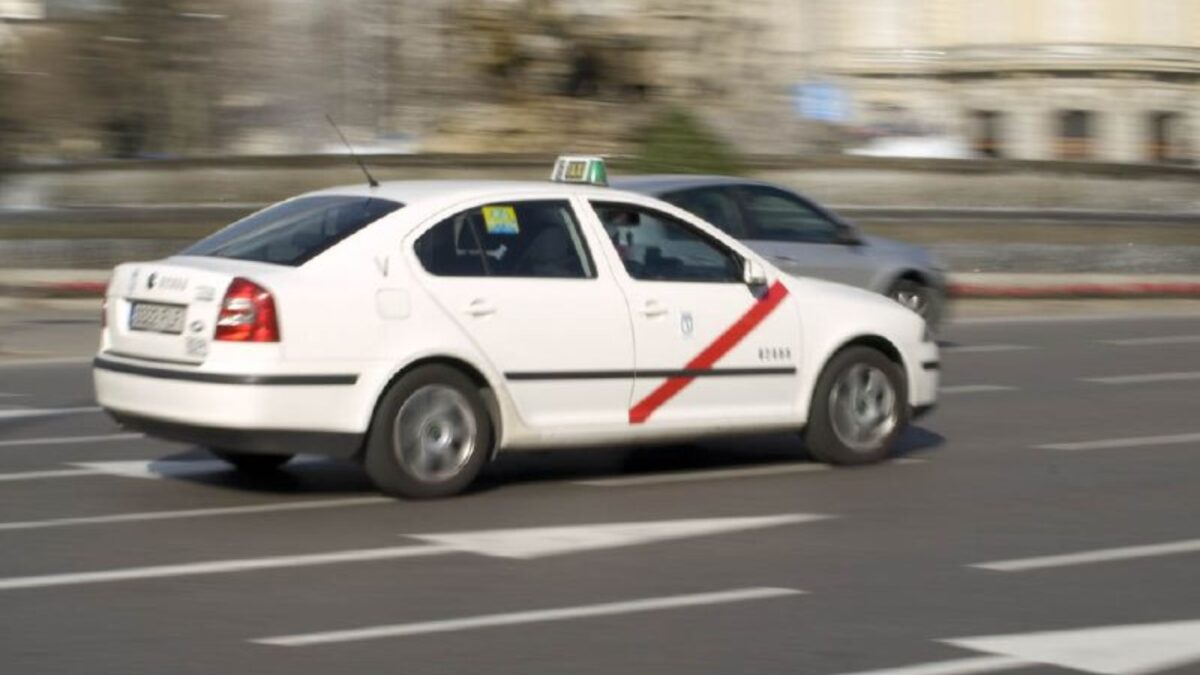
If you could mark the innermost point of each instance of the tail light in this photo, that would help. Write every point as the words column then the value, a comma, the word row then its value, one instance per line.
column 247, row 314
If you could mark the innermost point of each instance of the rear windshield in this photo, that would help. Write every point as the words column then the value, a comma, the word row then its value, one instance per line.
column 293, row 232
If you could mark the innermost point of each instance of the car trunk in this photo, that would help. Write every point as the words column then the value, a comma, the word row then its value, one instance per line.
column 167, row 310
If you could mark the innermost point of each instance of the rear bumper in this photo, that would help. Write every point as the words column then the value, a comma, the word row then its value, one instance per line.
column 280, row 413
column 267, row 441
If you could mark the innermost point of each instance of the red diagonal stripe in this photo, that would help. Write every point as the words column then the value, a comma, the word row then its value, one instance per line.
column 711, row 354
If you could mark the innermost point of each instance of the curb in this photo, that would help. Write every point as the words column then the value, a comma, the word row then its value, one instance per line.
column 1120, row 290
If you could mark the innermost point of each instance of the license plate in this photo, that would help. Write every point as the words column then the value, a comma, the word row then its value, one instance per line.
column 157, row 318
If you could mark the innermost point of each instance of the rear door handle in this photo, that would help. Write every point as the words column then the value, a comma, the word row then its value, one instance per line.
column 480, row 307
column 653, row 308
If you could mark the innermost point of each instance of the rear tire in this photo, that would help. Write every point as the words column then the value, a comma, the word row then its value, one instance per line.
column 251, row 462
column 859, row 407
column 431, row 435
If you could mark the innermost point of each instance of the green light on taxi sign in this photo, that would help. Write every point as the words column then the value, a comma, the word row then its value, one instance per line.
column 580, row 169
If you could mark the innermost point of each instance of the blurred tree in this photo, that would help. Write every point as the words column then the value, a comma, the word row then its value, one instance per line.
column 677, row 142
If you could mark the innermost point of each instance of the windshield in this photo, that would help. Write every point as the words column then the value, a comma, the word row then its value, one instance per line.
column 293, row 232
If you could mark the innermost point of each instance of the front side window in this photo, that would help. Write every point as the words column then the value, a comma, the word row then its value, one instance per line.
column 295, row 231
column 507, row 239
column 715, row 205
column 656, row 247
column 778, row 216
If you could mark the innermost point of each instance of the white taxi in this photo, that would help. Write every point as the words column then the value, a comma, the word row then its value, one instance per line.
column 423, row 327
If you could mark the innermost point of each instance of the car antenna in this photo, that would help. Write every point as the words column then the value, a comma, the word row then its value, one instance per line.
column 370, row 179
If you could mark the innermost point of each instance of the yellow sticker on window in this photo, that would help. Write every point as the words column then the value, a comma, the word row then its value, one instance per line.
column 500, row 220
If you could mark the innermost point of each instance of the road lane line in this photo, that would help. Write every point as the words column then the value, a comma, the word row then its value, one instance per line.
column 974, row 389
column 534, row 616
column 1092, row 557
column 1154, row 341
column 968, row 666
column 46, row 412
column 697, row 475
column 193, row 513
column 7, row 395
column 984, row 349
column 67, row 440
column 224, row 566
column 52, row 473
column 701, row 475
column 1146, row 378
column 1137, row 442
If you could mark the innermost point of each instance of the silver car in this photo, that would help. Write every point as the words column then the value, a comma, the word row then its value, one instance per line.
column 804, row 239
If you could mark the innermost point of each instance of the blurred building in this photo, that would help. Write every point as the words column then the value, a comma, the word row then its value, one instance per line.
column 1110, row 80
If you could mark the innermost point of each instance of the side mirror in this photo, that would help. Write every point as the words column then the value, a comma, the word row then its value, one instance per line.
column 753, row 274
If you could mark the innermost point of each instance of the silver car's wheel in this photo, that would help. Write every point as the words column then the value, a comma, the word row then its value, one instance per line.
column 862, row 407
column 433, row 436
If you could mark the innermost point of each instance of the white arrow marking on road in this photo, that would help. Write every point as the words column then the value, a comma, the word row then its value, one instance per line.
column 1090, row 557
column 52, row 473
column 172, row 468
column 1109, row 650
column 536, row 542
column 534, row 616
column 45, row 412
column 516, row 543
column 1137, row 649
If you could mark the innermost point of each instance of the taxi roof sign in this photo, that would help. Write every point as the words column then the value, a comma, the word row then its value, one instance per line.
column 588, row 170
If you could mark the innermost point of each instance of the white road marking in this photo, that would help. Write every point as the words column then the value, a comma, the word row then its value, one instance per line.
column 523, row 543
column 984, row 349
column 974, row 389
column 534, row 616
column 1146, row 378
column 45, row 412
column 967, row 666
column 68, row 440
column 1154, row 341
column 1075, row 318
column 1138, row 649
column 6, row 395
column 698, row 475
column 52, row 473
column 1092, row 557
column 222, row 566
column 1136, row 442
column 157, row 469
column 49, row 361
column 536, row 542
column 1105, row 650
column 701, row 475
column 193, row 513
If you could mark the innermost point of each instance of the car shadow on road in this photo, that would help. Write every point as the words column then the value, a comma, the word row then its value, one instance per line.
column 321, row 476
column 741, row 452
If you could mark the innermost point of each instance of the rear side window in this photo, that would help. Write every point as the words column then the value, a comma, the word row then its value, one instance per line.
column 513, row 239
column 294, row 232
column 715, row 205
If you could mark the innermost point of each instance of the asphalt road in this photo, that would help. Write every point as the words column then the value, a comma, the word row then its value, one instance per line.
column 739, row 556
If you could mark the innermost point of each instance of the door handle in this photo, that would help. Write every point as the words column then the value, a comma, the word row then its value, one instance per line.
column 653, row 308
column 480, row 307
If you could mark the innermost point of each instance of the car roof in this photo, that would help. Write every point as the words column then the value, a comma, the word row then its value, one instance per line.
column 412, row 191
column 658, row 184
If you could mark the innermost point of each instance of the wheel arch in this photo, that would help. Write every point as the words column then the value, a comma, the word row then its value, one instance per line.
column 486, row 390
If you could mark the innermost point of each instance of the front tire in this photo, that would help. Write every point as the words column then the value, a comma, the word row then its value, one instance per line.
column 859, row 407
column 431, row 435
column 251, row 462
column 920, row 298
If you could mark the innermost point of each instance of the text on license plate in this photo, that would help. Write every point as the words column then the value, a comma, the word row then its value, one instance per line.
column 157, row 318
